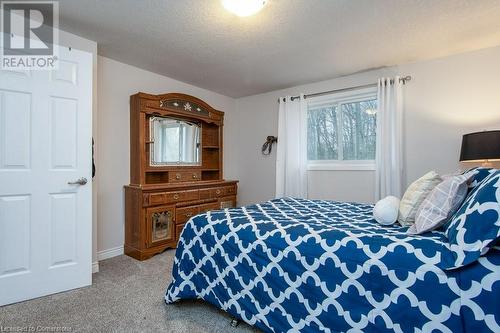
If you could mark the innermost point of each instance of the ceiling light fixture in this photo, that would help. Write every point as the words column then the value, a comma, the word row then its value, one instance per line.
column 244, row 7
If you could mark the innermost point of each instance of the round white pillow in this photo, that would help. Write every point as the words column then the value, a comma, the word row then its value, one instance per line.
column 386, row 210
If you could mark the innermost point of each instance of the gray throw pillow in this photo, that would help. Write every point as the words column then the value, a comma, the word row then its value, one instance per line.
column 443, row 201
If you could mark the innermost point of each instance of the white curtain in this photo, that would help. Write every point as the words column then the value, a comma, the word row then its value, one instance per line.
column 389, row 155
column 291, row 160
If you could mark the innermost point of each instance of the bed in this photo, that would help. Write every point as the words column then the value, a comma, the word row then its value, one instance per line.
column 322, row 266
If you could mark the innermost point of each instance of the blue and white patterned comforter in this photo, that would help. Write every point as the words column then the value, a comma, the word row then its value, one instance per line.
column 310, row 265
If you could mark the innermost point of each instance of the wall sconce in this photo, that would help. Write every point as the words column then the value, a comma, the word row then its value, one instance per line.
column 267, row 147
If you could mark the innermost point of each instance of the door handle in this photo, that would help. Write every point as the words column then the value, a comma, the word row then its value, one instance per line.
column 81, row 181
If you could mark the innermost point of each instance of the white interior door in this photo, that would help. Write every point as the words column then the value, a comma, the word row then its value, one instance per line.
column 45, row 144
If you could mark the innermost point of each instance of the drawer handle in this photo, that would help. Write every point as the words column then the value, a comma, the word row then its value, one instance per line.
column 194, row 176
column 176, row 196
column 189, row 214
column 217, row 192
column 178, row 176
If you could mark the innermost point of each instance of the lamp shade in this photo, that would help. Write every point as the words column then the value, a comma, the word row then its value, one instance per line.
column 480, row 146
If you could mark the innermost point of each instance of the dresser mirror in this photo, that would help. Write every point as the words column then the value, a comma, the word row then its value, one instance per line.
column 174, row 142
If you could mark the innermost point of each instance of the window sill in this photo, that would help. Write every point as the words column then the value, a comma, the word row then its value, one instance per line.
column 341, row 167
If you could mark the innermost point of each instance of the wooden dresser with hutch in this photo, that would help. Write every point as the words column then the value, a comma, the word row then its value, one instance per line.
column 176, row 145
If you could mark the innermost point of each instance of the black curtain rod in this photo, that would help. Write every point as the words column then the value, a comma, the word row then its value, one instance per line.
column 401, row 79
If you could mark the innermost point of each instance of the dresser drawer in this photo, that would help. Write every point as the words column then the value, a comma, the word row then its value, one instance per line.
column 230, row 190
column 184, row 176
column 184, row 214
column 182, row 196
column 205, row 193
column 223, row 191
column 160, row 198
column 206, row 207
column 218, row 192
column 155, row 199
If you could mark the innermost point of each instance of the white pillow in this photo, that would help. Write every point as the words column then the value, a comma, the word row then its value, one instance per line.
column 415, row 195
column 386, row 210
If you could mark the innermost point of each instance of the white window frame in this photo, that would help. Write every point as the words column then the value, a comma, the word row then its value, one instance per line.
column 339, row 99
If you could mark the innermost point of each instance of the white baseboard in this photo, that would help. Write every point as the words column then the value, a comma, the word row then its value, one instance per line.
column 95, row 267
column 110, row 253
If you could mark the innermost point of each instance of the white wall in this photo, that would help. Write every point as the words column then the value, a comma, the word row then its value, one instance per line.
column 446, row 98
column 116, row 82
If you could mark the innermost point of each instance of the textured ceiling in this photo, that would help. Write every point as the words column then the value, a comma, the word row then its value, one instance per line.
column 289, row 42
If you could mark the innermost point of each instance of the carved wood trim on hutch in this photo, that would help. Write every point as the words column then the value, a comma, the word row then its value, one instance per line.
column 162, row 198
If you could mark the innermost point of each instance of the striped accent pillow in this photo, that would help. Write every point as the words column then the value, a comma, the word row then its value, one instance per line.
column 444, row 200
column 415, row 195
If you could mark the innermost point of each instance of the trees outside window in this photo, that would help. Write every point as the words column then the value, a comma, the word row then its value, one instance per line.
column 342, row 128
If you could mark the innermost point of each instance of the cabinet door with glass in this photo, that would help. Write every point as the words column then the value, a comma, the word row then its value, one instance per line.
column 160, row 225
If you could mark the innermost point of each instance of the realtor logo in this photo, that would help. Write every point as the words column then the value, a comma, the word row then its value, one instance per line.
column 29, row 34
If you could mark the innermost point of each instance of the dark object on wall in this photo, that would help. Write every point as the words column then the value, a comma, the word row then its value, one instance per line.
column 93, row 163
column 267, row 147
column 481, row 147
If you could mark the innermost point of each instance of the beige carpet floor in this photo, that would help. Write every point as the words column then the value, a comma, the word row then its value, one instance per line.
column 126, row 296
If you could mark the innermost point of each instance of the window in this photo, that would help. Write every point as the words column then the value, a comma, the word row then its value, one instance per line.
column 341, row 131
